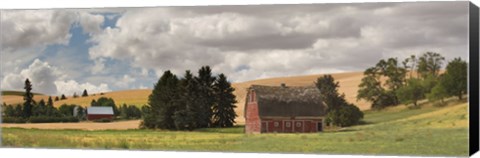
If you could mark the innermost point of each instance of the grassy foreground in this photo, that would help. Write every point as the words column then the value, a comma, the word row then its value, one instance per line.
column 441, row 131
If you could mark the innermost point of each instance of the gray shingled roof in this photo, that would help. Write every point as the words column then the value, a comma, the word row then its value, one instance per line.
column 286, row 101
column 100, row 110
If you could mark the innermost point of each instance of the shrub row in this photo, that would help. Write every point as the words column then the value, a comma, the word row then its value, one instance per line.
column 39, row 119
column 13, row 120
column 102, row 120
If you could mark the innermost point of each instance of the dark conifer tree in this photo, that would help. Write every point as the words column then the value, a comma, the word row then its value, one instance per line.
column 40, row 109
column 224, row 107
column 93, row 103
column 206, row 97
column 63, row 97
column 161, row 103
column 18, row 111
column 84, row 94
column 28, row 99
column 186, row 116
column 50, row 101
column 56, row 98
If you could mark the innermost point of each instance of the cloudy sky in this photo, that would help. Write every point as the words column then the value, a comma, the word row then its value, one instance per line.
column 64, row 51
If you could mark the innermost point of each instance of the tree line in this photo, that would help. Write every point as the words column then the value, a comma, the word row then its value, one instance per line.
column 190, row 102
column 391, row 83
column 42, row 112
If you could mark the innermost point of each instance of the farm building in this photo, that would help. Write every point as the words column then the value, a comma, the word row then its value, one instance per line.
column 284, row 109
column 94, row 113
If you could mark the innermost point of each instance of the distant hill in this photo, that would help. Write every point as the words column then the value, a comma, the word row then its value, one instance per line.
column 16, row 93
column 348, row 84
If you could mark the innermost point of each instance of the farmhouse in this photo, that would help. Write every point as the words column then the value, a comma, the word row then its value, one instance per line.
column 94, row 113
column 283, row 109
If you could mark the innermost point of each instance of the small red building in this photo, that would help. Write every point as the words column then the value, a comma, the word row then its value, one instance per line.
column 284, row 109
column 96, row 112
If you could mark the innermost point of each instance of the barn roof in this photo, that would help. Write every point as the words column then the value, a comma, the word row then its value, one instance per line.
column 96, row 110
column 286, row 101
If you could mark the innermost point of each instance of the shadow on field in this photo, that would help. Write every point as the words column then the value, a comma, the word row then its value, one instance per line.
column 234, row 129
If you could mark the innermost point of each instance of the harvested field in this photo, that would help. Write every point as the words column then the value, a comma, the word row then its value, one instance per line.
column 119, row 125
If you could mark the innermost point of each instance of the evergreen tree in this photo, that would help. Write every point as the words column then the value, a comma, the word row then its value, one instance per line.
column 18, row 111
column 206, row 97
column 9, row 111
column 161, row 103
column 40, row 109
column 124, row 111
column 63, row 97
column 455, row 78
column 134, row 112
column 51, row 111
column 50, row 101
column 224, row 108
column 186, row 116
column 67, row 110
column 56, row 98
column 339, row 111
column 28, row 99
column 93, row 103
column 329, row 89
column 85, row 94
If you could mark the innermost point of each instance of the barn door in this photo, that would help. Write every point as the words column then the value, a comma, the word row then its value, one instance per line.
column 319, row 127
column 264, row 127
column 288, row 127
column 298, row 126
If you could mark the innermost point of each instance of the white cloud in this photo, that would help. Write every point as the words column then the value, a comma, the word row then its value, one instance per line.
column 99, row 66
column 245, row 45
column 40, row 74
column 125, row 81
column 48, row 80
column 35, row 28
column 70, row 87
column 91, row 23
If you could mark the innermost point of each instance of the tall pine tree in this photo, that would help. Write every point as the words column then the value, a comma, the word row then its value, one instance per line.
column 224, row 107
column 84, row 94
column 206, row 96
column 186, row 116
column 28, row 99
column 50, row 101
column 161, row 103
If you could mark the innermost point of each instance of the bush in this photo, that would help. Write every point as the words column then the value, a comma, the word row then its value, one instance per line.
column 47, row 119
column 347, row 115
column 13, row 120
column 102, row 120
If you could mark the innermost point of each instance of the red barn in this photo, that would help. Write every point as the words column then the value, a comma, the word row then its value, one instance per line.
column 97, row 112
column 284, row 109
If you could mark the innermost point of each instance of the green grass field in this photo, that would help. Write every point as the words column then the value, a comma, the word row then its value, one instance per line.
column 427, row 131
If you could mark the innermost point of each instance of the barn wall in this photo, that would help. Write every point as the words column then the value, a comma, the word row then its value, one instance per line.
column 98, row 116
column 252, row 119
column 296, row 126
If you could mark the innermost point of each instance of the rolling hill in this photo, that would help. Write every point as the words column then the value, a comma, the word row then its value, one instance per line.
column 348, row 84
